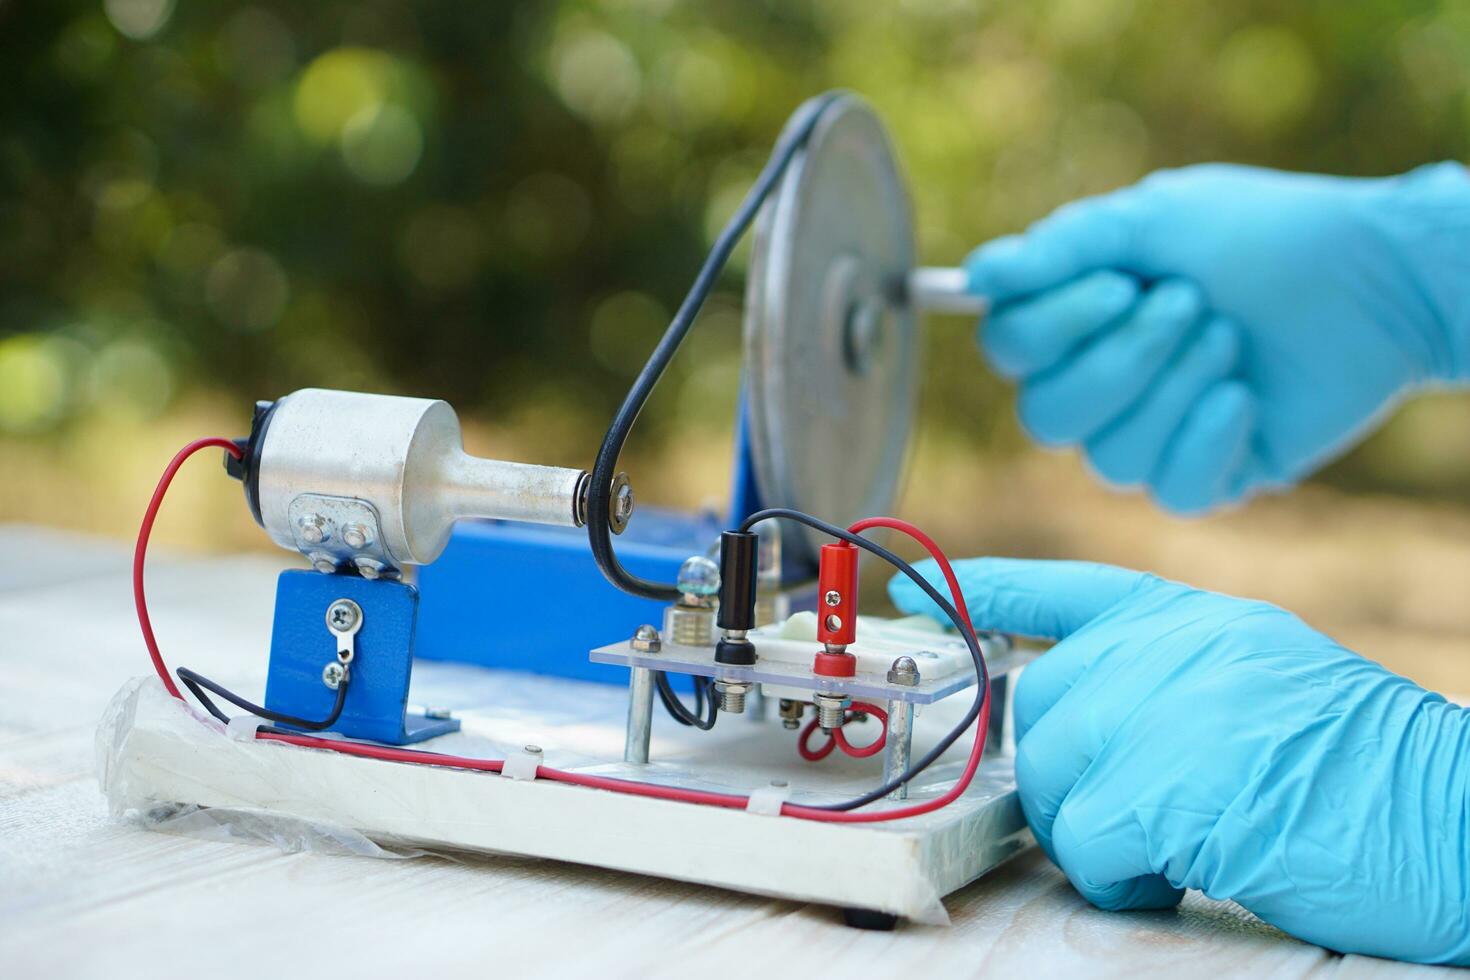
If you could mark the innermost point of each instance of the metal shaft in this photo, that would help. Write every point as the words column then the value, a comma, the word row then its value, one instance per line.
column 474, row 487
column 942, row 290
column 897, row 749
column 640, row 716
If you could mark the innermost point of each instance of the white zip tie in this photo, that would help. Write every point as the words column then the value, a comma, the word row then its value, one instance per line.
column 242, row 728
column 768, row 799
column 522, row 765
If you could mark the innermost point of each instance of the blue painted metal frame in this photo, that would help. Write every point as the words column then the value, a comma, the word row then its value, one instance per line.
column 376, row 707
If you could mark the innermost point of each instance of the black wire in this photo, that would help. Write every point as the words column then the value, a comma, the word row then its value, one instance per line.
column 197, row 684
column 698, row 718
column 599, row 530
column 982, row 673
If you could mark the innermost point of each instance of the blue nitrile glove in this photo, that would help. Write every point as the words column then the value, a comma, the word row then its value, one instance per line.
column 1177, row 739
column 1218, row 330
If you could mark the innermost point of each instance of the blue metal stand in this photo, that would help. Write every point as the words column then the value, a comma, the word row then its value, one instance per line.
column 376, row 707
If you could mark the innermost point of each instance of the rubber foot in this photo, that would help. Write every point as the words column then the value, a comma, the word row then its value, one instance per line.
column 868, row 919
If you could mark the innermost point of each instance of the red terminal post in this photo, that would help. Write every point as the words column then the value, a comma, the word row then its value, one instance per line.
column 837, row 586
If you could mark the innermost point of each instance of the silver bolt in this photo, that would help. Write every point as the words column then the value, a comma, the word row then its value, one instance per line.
column 791, row 712
column 332, row 674
column 532, row 749
column 646, row 639
column 834, row 623
column 904, row 671
column 732, row 696
column 831, row 709
column 342, row 615
column 622, row 505
column 833, row 598
column 323, row 563
column 369, row 568
column 438, row 714
column 313, row 528
column 355, row 536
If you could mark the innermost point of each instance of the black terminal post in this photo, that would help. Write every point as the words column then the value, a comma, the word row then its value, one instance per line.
column 739, row 559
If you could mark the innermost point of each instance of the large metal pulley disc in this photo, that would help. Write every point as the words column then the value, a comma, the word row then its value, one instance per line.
column 831, row 357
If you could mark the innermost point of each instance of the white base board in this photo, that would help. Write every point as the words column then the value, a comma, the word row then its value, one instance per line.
column 153, row 750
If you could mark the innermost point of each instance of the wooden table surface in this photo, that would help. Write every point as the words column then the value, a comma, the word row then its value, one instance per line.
column 82, row 895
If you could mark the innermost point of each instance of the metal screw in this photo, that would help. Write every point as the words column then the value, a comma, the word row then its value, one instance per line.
column 438, row 714
column 323, row 563
column 355, row 536
column 332, row 674
column 369, row 568
column 831, row 709
column 791, row 712
column 904, row 671
column 622, row 503
column 313, row 528
column 833, row 598
column 342, row 615
column 646, row 639
column 834, row 623
column 732, row 696
column 531, row 749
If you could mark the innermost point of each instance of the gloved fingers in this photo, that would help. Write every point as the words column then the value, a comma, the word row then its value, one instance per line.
column 1048, row 599
column 1027, row 336
column 1047, row 678
column 1108, row 862
column 1107, row 375
column 1084, row 236
column 1127, row 452
column 1050, row 758
column 1199, row 467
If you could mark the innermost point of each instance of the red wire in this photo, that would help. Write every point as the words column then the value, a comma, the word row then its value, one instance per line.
column 838, row 738
column 146, row 530
column 808, row 753
column 839, row 735
column 419, row 757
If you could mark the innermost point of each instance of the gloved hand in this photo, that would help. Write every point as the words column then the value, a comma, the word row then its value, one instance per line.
column 1219, row 330
column 1178, row 739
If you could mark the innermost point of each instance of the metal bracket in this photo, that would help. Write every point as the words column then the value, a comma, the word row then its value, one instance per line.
column 337, row 532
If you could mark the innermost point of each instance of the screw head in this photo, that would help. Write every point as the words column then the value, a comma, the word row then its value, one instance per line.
column 905, row 671
column 622, row 502
column 438, row 714
column 369, row 568
column 356, row 536
column 312, row 528
column 343, row 615
column 332, row 674
column 323, row 564
column 646, row 639
column 531, row 749
column 833, row 598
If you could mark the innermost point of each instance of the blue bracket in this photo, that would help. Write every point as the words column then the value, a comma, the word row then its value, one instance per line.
column 376, row 707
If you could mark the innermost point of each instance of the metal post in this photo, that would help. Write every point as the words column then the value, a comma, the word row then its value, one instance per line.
column 900, row 740
column 997, row 727
column 640, row 715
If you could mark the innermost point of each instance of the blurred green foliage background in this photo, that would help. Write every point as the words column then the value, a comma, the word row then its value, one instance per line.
column 501, row 203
